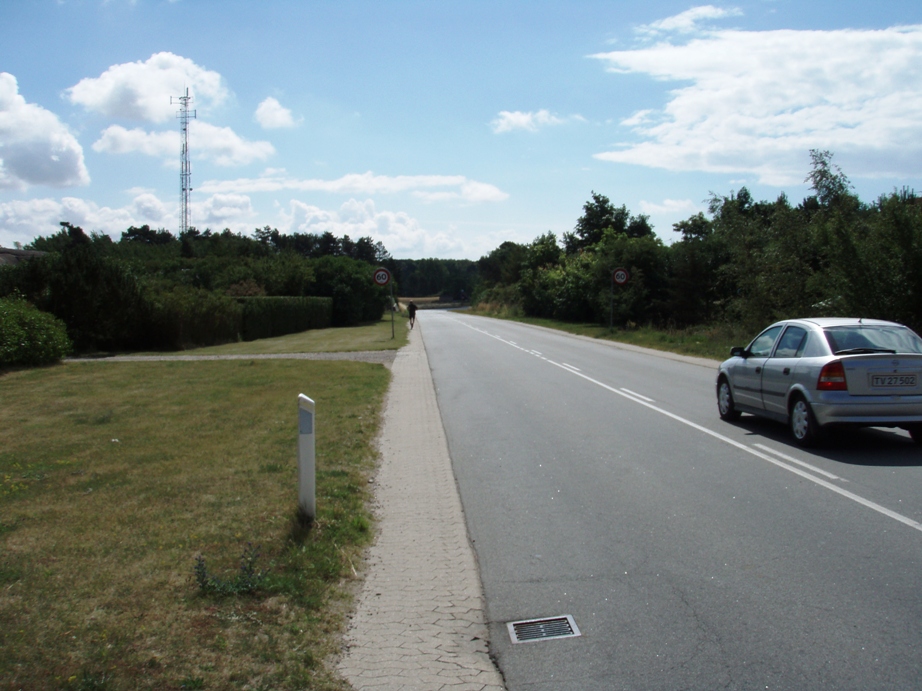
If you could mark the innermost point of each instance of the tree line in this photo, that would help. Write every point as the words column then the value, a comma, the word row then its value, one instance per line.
column 153, row 290
column 746, row 262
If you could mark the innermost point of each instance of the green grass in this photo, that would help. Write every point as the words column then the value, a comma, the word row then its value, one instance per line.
column 710, row 341
column 115, row 477
column 377, row 336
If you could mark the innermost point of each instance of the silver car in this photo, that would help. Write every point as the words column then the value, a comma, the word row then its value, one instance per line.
column 814, row 374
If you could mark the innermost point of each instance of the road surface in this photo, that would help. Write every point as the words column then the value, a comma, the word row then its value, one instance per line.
column 598, row 482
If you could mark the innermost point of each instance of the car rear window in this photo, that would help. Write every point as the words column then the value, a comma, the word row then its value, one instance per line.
column 867, row 338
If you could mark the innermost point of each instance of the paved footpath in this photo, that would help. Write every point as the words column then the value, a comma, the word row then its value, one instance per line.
column 419, row 623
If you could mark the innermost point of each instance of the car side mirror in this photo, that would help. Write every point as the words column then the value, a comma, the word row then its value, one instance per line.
column 738, row 351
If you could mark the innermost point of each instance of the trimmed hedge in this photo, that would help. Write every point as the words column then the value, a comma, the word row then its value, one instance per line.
column 267, row 317
column 29, row 336
column 189, row 317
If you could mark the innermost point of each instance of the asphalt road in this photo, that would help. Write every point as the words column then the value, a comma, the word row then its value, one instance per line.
column 691, row 553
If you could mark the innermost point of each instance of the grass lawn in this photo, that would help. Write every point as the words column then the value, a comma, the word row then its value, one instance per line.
column 118, row 479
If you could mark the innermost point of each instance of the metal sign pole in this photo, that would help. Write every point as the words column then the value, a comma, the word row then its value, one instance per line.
column 382, row 277
column 611, row 304
column 621, row 277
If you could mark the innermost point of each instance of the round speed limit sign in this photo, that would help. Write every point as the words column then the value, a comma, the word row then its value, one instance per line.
column 382, row 276
column 620, row 276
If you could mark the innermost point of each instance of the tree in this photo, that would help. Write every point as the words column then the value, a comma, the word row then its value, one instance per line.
column 328, row 246
column 693, row 264
column 599, row 214
column 98, row 297
column 268, row 236
column 827, row 180
column 543, row 251
column 503, row 265
column 145, row 235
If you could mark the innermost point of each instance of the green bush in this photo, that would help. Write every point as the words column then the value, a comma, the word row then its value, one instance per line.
column 267, row 317
column 29, row 336
column 100, row 299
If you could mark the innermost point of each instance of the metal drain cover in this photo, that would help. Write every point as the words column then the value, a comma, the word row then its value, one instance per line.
column 532, row 630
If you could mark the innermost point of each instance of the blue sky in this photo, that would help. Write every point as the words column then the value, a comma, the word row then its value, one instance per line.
column 443, row 128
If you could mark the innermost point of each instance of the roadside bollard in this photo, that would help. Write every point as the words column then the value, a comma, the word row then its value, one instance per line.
column 307, row 483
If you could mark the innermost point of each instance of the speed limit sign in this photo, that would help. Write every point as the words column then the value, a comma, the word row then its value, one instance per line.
column 620, row 276
column 382, row 276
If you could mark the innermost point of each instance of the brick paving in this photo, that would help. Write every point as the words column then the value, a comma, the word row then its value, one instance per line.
column 419, row 623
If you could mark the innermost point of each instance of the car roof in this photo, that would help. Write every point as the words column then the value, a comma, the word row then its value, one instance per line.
column 825, row 322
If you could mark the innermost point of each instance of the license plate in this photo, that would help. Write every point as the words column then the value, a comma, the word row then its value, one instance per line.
column 891, row 380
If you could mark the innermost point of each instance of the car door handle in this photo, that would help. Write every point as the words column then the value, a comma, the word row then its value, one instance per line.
column 758, row 369
column 787, row 370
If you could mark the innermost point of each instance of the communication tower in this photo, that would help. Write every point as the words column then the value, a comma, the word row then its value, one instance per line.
column 185, row 171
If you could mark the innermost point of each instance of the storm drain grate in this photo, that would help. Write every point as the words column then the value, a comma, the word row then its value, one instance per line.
column 533, row 630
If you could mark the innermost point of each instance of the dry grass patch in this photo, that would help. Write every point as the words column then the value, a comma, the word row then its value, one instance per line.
column 114, row 477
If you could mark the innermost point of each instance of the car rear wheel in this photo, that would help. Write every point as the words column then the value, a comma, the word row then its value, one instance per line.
column 725, row 405
column 803, row 423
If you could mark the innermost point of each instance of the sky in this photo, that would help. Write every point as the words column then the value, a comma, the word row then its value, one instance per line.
column 443, row 128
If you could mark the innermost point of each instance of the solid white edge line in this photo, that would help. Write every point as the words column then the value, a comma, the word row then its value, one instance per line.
column 637, row 395
column 791, row 459
column 748, row 449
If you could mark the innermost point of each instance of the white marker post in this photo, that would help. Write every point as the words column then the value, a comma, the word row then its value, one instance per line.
column 307, row 471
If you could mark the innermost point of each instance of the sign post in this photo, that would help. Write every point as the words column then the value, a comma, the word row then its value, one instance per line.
column 382, row 278
column 619, row 276
column 307, row 470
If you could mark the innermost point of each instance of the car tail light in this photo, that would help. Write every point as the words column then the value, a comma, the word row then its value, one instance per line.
column 832, row 378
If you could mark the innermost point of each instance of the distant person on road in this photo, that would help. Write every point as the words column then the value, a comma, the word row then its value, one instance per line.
column 411, row 310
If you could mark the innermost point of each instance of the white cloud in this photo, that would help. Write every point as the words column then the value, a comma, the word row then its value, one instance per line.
column 118, row 140
column 670, row 207
column 509, row 121
column 469, row 191
column 224, row 146
column 207, row 141
column 756, row 102
column 35, row 147
column 428, row 187
column 144, row 90
column 688, row 21
column 273, row 115
column 221, row 210
column 400, row 233
column 147, row 206
column 24, row 220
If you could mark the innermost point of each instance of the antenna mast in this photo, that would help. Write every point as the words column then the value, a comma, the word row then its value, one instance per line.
column 185, row 172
